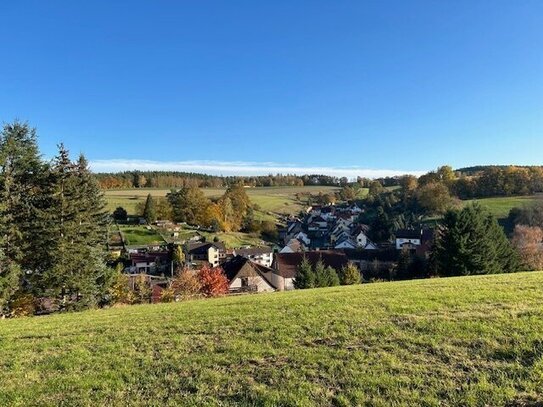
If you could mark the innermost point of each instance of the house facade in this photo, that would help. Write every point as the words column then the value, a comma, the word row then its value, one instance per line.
column 260, row 255
column 212, row 253
column 245, row 275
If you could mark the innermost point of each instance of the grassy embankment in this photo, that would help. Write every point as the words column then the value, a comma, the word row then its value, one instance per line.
column 457, row 341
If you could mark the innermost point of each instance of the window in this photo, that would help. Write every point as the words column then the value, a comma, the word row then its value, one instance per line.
column 245, row 281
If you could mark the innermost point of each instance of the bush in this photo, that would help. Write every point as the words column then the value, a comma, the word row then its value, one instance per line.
column 22, row 305
column 186, row 284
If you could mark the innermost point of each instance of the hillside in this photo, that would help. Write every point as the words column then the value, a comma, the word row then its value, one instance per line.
column 269, row 199
column 458, row 341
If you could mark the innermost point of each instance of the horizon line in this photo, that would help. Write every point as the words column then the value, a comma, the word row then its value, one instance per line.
column 242, row 168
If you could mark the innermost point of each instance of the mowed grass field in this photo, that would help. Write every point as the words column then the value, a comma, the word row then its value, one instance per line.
column 140, row 235
column 270, row 199
column 470, row 341
column 501, row 206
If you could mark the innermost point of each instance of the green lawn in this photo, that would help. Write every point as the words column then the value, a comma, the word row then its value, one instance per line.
column 501, row 206
column 140, row 235
column 472, row 341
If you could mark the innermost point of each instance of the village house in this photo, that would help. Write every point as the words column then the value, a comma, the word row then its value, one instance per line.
column 408, row 239
column 198, row 253
column 260, row 255
column 245, row 275
column 149, row 262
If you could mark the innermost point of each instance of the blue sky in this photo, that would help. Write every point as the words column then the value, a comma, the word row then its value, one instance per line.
column 278, row 85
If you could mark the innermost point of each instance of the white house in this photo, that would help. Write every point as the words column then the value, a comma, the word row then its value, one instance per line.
column 408, row 239
column 259, row 255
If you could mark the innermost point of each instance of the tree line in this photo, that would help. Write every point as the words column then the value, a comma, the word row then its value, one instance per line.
column 176, row 179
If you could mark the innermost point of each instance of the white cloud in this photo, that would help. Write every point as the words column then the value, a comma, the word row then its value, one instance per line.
column 240, row 168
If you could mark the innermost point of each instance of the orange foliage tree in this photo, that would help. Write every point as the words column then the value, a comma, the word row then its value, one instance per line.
column 213, row 281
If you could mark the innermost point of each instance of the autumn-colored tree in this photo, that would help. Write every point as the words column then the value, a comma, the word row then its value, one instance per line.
column 186, row 284
column 120, row 290
column 167, row 295
column 234, row 205
column 214, row 217
column 529, row 242
column 434, row 198
column 376, row 188
column 408, row 183
column 178, row 256
column 142, row 290
column 213, row 281
column 347, row 193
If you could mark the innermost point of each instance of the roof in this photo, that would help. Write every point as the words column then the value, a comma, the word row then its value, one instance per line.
column 203, row 247
column 295, row 244
column 148, row 257
column 408, row 234
column 286, row 264
column 244, row 267
column 361, row 228
column 253, row 251
column 345, row 239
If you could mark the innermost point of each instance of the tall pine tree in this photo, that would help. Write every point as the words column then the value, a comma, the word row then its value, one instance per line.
column 149, row 213
column 22, row 199
column 470, row 241
column 77, row 275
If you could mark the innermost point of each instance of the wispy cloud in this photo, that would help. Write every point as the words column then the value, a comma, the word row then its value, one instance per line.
column 241, row 168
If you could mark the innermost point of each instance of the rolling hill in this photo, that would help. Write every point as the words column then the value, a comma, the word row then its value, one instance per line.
column 458, row 341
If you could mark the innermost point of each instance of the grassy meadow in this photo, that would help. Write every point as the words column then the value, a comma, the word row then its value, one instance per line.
column 472, row 341
column 270, row 199
column 140, row 235
column 501, row 206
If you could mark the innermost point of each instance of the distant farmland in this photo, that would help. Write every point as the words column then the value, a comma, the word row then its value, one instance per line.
column 270, row 199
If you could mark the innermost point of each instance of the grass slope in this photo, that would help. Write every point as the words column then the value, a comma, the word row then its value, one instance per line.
column 458, row 341
column 501, row 206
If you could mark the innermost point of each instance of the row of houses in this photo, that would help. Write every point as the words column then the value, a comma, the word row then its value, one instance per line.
column 337, row 227
column 250, row 276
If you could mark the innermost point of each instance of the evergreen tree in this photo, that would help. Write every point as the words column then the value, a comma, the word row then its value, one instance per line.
column 402, row 268
column 149, row 213
column 321, row 275
column 22, row 198
column 470, row 241
column 76, row 275
column 350, row 275
column 305, row 277
column 10, row 274
column 332, row 278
